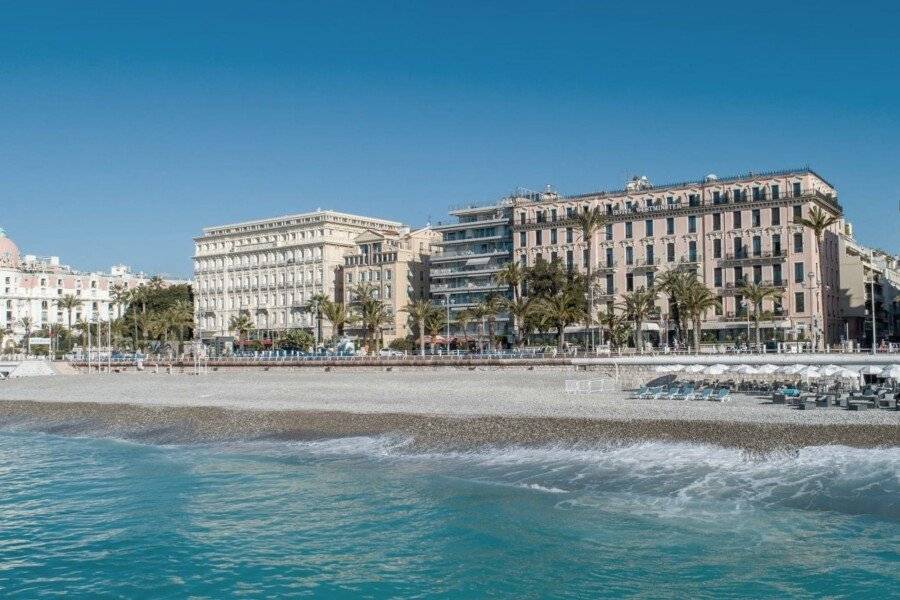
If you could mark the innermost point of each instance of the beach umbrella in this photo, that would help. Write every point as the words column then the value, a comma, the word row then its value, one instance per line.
column 694, row 368
column 845, row 373
column 791, row 369
column 870, row 370
column 891, row 372
column 767, row 369
column 745, row 370
column 676, row 368
column 829, row 370
column 715, row 370
column 663, row 369
column 810, row 373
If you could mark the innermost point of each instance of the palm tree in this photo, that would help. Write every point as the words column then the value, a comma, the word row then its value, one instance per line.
column 696, row 300
column 755, row 295
column 26, row 324
column 518, row 309
column 118, row 296
column 338, row 315
column 674, row 283
column 434, row 323
column 374, row 314
column 478, row 314
column 139, row 295
column 68, row 303
column 83, row 328
column 493, row 305
column 511, row 274
column 156, row 283
column 637, row 306
column 562, row 310
column 242, row 324
column 818, row 221
column 589, row 221
column 463, row 318
column 418, row 311
column 315, row 306
column 180, row 316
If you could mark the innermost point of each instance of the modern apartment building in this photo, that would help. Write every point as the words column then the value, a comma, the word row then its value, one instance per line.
column 396, row 265
column 867, row 274
column 30, row 287
column 728, row 230
column 270, row 268
column 474, row 248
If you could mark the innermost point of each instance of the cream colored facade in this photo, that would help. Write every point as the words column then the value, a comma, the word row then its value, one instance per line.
column 728, row 230
column 270, row 268
column 396, row 265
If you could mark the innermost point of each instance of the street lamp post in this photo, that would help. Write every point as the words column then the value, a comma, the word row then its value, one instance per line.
column 872, row 300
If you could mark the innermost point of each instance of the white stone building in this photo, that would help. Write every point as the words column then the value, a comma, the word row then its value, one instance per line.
column 31, row 286
column 270, row 268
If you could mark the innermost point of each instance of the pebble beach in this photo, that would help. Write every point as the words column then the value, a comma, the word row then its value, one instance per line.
column 432, row 407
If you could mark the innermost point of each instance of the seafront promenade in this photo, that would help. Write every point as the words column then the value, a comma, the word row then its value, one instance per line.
column 498, row 360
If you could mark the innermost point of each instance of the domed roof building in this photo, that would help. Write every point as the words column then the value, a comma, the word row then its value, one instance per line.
column 9, row 252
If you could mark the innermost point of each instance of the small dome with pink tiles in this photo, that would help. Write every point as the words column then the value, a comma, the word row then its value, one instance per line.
column 9, row 252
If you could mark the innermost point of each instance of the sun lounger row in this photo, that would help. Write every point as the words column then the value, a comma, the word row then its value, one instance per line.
column 681, row 392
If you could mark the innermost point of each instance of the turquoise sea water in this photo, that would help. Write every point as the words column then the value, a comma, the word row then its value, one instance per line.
column 369, row 518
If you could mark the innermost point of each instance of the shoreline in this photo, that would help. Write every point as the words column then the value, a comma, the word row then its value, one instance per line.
column 204, row 424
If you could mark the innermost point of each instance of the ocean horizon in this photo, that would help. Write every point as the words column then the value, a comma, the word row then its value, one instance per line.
column 373, row 517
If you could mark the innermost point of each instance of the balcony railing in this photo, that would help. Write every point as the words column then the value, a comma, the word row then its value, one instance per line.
column 747, row 256
column 645, row 264
column 663, row 207
column 377, row 258
column 471, row 253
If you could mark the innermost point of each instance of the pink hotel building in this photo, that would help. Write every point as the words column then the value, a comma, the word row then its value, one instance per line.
column 727, row 230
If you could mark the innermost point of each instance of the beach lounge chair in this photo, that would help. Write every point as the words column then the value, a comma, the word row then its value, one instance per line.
column 650, row 392
column 686, row 393
column 672, row 393
column 704, row 394
column 722, row 394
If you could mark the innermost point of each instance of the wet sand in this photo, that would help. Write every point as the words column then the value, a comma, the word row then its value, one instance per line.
column 437, row 409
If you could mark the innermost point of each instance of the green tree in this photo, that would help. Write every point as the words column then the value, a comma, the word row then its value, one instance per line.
column 755, row 294
column 338, row 315
column 493, row 305
column 26, row 323
column 463, row 318
column 589, row 222
column 435, row 321
column 673, row 283
column 638, row 306
column 562, row 309
column 696, row 301
column 545, row 279
column 297, row 339
column 68, row 303
column 316, row 306
column 242, row 324
column 518, row 309
column 511, row 274
column 818, row 221
column 418, row 312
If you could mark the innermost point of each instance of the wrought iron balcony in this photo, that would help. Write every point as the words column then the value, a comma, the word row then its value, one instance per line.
column 743, row 257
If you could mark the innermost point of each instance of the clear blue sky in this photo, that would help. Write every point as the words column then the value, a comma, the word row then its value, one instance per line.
column 128, row 126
